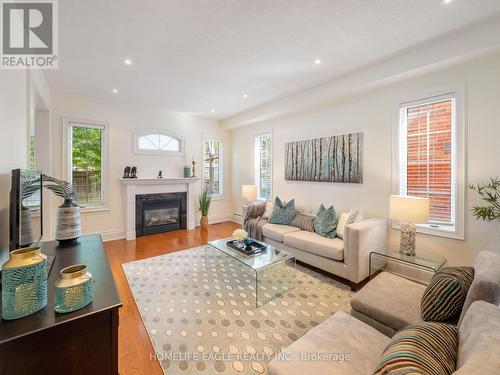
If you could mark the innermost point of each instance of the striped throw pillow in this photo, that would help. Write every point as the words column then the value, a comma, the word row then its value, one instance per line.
column 445, row 295
column 304, row 222
column 428, row 348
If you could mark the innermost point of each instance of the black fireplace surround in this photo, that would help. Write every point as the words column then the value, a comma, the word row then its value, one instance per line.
column 157, row 213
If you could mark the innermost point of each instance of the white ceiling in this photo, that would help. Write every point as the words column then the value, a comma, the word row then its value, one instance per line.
column 197, row 55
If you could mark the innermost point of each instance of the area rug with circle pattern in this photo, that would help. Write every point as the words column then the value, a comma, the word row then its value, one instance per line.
column 201, row 317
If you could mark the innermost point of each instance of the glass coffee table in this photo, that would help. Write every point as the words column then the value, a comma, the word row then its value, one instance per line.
column 273, row 269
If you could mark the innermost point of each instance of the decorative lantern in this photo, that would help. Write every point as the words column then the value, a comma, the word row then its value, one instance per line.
column 74, row 289
column 24, row 283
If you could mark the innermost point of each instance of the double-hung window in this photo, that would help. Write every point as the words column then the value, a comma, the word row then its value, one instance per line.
column 86, row 161
column 213, row 165
column 263, row 166
column 430, row 160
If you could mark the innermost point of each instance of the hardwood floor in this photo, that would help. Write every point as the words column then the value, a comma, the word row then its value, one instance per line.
column 134, row 347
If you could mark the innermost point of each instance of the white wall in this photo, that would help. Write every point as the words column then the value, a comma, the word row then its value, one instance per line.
column 13, row 140
column 123, row 121
column 372, row 112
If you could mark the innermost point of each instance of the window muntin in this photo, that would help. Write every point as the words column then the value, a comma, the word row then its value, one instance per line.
column 263, row 166
column 158, row 141
column 86, row 161
column 212, row 169
column 430, row 160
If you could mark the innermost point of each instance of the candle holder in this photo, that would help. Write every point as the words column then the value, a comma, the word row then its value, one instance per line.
column 74, row 289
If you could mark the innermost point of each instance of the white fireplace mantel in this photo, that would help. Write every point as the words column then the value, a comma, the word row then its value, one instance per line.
column 135, row 186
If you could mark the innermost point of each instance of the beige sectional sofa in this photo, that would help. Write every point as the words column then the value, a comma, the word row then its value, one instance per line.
column 387, row 304
column 354, row 347
column 346, row 258
column 402, row 297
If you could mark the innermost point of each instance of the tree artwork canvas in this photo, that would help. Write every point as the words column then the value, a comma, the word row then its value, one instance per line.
column 330, row 159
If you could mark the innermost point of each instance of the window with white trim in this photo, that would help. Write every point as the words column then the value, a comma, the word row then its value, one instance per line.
column 158, row 141
column 263, row 166
column 430, row 160
column 86, row 161
column 213, row 165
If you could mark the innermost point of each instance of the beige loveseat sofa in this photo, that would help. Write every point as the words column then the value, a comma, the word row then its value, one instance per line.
column 347, row 258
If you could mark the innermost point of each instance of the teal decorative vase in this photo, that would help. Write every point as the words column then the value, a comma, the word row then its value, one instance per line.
column 187, row 171
column 24, row 283
column 74, row 289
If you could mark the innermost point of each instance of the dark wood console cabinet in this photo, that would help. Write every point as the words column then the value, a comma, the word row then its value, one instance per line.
column 81, row 342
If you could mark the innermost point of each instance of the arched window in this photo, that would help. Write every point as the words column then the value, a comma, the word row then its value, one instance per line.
column 158, row 141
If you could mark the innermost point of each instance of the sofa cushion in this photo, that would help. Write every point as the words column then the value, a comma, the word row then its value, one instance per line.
column 283, row 212
column 423, row 348
column 391, row 300
column 277, row 231
column 486, row 283
column 479, row 334
column 325, row 222
column 338, row 335
column 304, row 222
column 332, row 248
column 445, row 294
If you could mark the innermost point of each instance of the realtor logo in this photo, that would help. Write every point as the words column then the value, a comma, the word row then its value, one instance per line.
column 29, row 34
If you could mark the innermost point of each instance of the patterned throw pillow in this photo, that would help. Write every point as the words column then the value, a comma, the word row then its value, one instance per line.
column 304, row 222
column 445, row 294
column 269, row 210
column 325, row 222
column 424, row 348
column 283, row 213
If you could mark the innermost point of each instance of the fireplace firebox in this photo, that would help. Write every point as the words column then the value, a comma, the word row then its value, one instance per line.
column 157, row 213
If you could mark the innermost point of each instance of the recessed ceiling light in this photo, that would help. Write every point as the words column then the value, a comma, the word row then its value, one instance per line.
column 447, row 1
column 115, row 91
column 317, row 61
column 213, row 111
column 245, row 96
column 127, row 61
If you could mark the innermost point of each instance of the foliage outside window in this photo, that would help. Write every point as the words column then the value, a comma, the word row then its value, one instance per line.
column 212, row 169
column 86, row 155
column 263, row 166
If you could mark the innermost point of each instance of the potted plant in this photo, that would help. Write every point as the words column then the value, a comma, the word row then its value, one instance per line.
column 204, row 200
column 68, row 227
column 490, row 193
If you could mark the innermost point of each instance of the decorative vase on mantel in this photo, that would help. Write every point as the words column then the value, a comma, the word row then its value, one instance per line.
column 68, row 227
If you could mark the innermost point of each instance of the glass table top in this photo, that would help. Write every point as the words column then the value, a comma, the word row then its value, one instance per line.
column 420, row 259
column 257, row 262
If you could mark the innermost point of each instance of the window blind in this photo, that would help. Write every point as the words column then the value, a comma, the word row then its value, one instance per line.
column 263, row 167
column 427, row 156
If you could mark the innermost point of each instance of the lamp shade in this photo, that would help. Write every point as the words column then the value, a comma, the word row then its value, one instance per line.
column 409, row 209
column 249, row 192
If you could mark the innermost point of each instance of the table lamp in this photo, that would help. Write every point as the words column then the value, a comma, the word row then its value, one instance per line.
column 249, row 192
column 409, row 211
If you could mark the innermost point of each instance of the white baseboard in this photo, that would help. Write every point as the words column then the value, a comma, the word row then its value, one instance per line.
column 214, row 219
column 111, row 235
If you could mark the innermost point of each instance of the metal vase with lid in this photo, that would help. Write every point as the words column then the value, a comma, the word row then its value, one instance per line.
column 74, row 289
column 24, row 283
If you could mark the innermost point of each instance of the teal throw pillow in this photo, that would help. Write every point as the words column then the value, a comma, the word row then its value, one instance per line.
column 325, row 222
column 283, row 213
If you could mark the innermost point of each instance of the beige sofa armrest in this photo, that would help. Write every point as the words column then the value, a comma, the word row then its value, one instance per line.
column 359, row 240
